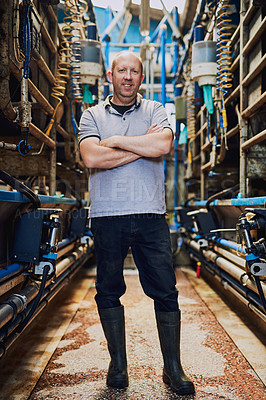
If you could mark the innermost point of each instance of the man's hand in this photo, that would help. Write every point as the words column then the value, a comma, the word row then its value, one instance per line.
column 112, row 141
column 154, row 128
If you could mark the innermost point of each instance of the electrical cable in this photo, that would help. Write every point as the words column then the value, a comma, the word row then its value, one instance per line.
column 37, row 299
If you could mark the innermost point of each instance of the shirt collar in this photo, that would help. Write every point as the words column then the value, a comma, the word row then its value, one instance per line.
column 108, row 98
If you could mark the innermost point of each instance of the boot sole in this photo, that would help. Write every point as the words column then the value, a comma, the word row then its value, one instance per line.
column 117, row 382
column 188, row 387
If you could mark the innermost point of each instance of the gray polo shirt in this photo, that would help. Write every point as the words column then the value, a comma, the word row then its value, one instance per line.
column 134, row 188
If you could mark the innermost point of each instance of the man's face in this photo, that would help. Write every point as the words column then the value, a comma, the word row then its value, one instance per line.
column 126, row 79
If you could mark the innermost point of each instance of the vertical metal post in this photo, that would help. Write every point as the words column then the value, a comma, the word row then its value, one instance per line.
column 202, row 160
column 163, row 70
column 243, row 103
column 147, row 68
column 144, row 17
column 163, row 83
column 176, row 54
column 151, row 72
column 178, row 91
column 107, row 38
column 52, row 172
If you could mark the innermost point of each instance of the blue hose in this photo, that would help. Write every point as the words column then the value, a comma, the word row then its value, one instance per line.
column 10, row 271
column 27, row 42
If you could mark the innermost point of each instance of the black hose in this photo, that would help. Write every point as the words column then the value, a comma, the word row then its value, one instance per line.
column 261, row 293
column 37, row 299
column 220, row 195
column 20, row 187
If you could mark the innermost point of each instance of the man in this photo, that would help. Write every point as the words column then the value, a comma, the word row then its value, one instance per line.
column 123, row 140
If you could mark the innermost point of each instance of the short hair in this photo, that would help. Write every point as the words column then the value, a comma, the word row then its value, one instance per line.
column 124, row 52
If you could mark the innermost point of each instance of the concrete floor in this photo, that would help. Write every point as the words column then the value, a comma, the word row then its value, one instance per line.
column 72, row 339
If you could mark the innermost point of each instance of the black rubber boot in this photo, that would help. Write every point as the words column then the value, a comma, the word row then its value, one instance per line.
column 168, row 324
column 113, row 323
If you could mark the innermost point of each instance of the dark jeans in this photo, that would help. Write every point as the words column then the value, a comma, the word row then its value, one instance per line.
column 149, row 238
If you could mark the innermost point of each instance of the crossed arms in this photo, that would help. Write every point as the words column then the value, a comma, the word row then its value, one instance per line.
column 120, row 150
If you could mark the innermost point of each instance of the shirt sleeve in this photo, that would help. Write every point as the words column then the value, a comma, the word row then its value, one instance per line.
column 159, row 115
column 88, row 126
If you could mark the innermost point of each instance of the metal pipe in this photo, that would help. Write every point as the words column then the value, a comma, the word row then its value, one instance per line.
column 4, row 346
column 115, row 20
column 229, row 243
column 243, row 300
column 14, row 269
column 152, row 76
column 158, row 29
column 19, row 302
column 65, row 250
column 25, row 107
column 172, row 24
column 232, row 269
column 147, row 68
column 62, row 265
column 8, row 146
column 163, row 70
column 224, row 276
column 243, row 99
column 65, row 242
column 231, row 257
column 240, row 297
column 175, row 56
column 26, row 295
column 178, row 92
column 108, row 18
column 237, row 202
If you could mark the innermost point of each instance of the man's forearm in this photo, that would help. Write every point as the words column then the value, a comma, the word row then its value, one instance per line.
column 151, row 145
column 95, row 156
column 115, row 158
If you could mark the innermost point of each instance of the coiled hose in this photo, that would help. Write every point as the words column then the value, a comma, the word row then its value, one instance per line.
column 63, row 67
column 224, row 57
column 77, row 8
column 190, row 109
